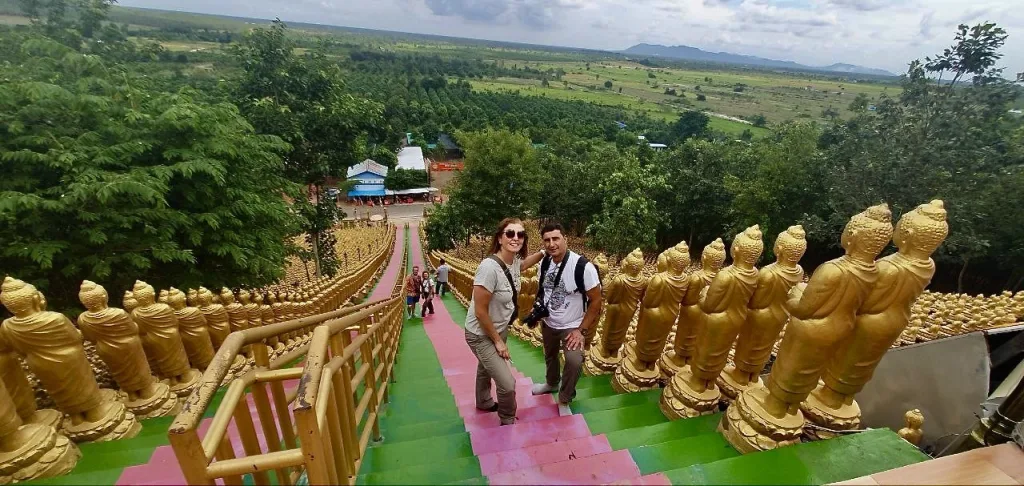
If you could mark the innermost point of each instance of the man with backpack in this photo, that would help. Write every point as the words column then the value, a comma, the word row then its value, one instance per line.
column 570, row 289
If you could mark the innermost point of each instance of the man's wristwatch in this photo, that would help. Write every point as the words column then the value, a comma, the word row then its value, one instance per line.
column 584, row 332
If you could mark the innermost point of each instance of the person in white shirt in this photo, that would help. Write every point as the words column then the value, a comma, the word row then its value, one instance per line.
column 571, row 290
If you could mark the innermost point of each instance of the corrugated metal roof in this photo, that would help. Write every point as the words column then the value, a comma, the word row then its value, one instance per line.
column 411, row 158
column 367, row 166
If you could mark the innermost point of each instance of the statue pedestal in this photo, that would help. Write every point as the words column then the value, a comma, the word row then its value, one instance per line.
column 750, row 428
column 597, row 362
column 679, row 400
column 190, row 380
column 631, row 376
column 36, row 451
column 670, row 364
column 116, row 423
column 731, row 388
column 162, row 403
column 48, row 417
column 535, row 337
column 845, row 417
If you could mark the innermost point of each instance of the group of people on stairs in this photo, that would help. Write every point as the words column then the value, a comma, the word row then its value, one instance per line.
column 568, row 305
column 423, row 287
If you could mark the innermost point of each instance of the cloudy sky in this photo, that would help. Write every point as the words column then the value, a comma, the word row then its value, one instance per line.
column 875, row 33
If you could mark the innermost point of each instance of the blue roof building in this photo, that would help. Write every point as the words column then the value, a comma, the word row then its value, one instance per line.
column 369, row 177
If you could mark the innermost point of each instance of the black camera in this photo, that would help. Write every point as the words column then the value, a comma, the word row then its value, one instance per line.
column 539, row 311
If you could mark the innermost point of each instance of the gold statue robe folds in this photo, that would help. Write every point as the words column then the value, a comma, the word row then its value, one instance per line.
column 161, row 339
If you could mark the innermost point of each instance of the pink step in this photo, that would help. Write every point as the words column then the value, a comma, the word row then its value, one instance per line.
column 162, row 468
column 523, row 397
column 464, row 383
column 528, row 434
column 656, row 479
column 528, row 457
column 485, row 420
column 599, row 469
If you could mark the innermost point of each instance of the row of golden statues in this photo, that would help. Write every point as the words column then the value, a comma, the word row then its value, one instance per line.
column 155, row 349
column 707, row 334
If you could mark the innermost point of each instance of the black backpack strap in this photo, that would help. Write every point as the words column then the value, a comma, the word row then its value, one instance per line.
column 511, row 283
column 581, row 266
column 544, row 265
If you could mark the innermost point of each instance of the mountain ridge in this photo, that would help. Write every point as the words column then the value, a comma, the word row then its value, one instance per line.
column 695, row 54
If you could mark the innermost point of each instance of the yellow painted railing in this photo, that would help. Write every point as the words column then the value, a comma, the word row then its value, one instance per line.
column 213, row 456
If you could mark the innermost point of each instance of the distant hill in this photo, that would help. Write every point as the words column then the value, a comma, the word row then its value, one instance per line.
column 695, row 54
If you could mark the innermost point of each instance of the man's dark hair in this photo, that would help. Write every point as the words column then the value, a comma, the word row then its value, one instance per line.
column 442, row 261
column 549, row 227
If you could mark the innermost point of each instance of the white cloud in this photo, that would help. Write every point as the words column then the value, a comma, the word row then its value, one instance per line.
column 876, row 33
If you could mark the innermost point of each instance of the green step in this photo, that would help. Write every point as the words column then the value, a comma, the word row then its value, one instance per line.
column 615, row 401
column 820, row 462
column 406, row 403
column 465, row 468
column 392, row 456
column 482, row 481
column 594, row 391
column 403, row 433
column 410, row 417
column 663, row 432
column 681, row 453
column 420, row 387
column 604, row 421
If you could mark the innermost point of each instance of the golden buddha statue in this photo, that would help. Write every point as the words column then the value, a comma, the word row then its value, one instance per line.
column 158, row 327
column 118, row 344
column 912, row 432
column 192, row 327
column 690, row 315
column 658, row 311
column 880, row 319
column 192, row 298
column 767, row 314
column 31, row 451
column 622, row 297
column 693, row 390
column 21, row 391
column 252, row 309
column 238, row 317
column 162, row 298
column 52, row 347
column 822, row 314
column 267, row 318
column 128, row 302
column 217, row 325
column 601, row 264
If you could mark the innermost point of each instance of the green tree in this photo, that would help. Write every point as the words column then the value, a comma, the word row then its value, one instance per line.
column 401, row 179
column 303, row 100
column 629, row 216
column 501, row 178
column 608, row 84
column 691, row 124
column 108, row 180
column 860, row 103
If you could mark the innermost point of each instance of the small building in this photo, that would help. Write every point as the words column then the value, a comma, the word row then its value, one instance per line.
column 369, row 178
column 657, row 147
column 451, row 150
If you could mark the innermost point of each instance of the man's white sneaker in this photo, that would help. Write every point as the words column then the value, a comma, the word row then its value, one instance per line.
column 564, row 410
column 541, row 388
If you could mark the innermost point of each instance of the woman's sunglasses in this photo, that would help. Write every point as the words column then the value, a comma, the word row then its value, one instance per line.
column 512, row 234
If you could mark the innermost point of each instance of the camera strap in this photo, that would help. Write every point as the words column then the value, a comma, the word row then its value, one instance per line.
column 512, row 285
column 558, row 278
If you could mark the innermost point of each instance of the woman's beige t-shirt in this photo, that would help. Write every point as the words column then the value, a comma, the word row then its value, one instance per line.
column 490, row 276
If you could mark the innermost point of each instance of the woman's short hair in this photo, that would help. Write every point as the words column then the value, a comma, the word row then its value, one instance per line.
column 496, row 237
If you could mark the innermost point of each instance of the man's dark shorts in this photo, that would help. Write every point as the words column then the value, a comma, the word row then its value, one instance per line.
column 411, row 299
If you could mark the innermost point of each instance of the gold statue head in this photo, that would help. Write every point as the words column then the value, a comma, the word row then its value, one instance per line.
column 144, row 293
column 678, row 258
column 193, row 298
column 128, row 301
column 663, row 260
column 226, row 297
column 204, row 297
column 868, row 232
column 791, row 245
column 257, row 298
column 633, row 263
column 163, row 296
column 93, row 296
column 271, row 298
column 175, row 299
column 713, row 257
column 244, row 297
column 914, row 418
column 747, row 247
column 21, row 298
column 921, row 231
column 282, row 296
